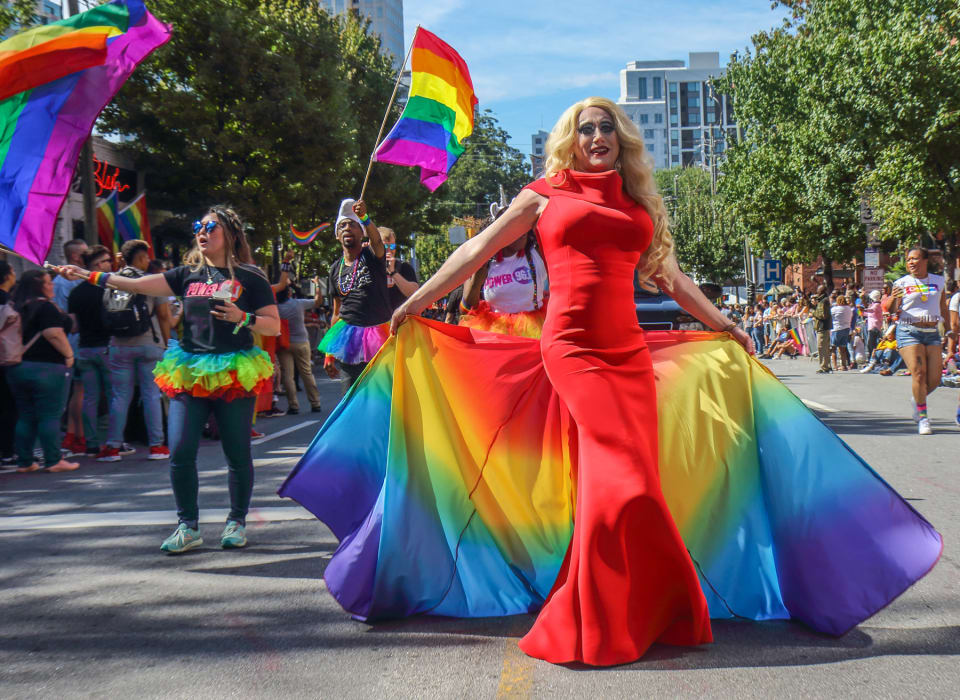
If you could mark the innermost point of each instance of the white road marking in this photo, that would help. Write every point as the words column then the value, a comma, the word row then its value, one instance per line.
column 819, row 406
column 61, row 521
column 281, row 433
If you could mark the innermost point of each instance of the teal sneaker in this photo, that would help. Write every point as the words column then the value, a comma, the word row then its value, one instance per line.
column 183, row 539
column 234, row 536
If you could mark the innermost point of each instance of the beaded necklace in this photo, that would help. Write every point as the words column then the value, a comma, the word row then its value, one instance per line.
column 353, row 277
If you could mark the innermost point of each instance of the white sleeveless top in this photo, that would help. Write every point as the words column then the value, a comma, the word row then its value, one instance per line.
column 510, row 283
column 921, row 297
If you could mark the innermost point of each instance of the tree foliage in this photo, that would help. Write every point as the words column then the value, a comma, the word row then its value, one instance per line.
column 849, row 97
column 21, row 14
column 708, row 245
column 272, row 106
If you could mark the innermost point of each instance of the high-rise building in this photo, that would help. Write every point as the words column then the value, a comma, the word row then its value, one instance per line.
column 47, row 11
column 386, row 19
column 682, row 120
column 538, row 152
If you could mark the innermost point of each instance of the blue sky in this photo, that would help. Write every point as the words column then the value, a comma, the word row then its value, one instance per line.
column 530, row 59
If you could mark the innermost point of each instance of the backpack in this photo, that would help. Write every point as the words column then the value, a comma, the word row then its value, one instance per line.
column 125, row 314
column 11, row 338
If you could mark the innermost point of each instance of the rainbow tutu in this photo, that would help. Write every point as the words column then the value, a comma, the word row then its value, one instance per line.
column 482, row 317
column 459, row 499
column 354, row 345
column 227, row 376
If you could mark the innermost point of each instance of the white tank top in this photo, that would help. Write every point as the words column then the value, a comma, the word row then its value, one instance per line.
column 921, row 297
column 510, row 284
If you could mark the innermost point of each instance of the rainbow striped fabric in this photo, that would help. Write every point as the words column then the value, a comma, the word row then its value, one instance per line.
column 55, row 81
column 107, row 216
column 438, row 115
column 447, row 475
column 133, row 224
column 307, row 237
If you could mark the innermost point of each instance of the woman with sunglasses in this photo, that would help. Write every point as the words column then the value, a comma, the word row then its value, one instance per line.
column 216, row 367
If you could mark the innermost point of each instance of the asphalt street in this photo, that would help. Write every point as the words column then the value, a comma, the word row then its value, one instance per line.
column 89, row 607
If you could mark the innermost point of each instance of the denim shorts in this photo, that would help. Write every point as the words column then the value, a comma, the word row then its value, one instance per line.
column 908, row 335
column 840, row 338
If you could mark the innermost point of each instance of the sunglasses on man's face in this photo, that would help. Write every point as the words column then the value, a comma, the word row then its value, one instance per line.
column 390, row 246
column 207, row 227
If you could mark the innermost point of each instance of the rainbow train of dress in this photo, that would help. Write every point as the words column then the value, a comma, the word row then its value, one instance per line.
column 447, row 474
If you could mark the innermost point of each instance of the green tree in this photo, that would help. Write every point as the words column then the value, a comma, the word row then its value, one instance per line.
column 432, row 250
column 19, row 14
column 272, row 106
column 706, row 241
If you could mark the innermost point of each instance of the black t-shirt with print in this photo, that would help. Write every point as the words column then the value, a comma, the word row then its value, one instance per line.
column 86, row 303
column 202, row 333
column 362, row 289
column 37, row 316
column 408, row 273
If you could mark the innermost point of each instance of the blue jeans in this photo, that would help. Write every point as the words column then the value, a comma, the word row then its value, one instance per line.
column 40, row 389
column 188, row 414
column 93, row 370
column 129, row 364
column 908, row 335
column 757, row 332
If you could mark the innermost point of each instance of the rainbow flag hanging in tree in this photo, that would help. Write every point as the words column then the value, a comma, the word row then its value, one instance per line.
column 132, row 222
column 438, row 115
column 107, row 216
column 54, row 82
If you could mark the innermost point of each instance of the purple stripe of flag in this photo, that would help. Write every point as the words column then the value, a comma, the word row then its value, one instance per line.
column 434, row 163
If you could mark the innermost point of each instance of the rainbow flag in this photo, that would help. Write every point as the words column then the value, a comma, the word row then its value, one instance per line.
column 447, row 505
column 133, row 224
column 438, row 115
column 795, row 337
column 55, row 81
column 306, row 237
column 107, row 222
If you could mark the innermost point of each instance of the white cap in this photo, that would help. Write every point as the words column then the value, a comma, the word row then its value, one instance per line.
column 875, row 295
column 347, row 212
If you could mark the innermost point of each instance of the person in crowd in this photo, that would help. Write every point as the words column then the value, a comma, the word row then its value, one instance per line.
column 874, row 320
column 885, row 358
column 297, row 354
column 40, row 382
column 8, row 405
column 401, row 277
column 361, row 298
column 757, row 327
column 453, row 306
column 73, row 441
column 823, row 325
column 85, row 304
column 886, row 298
column 508, row 293
column 842, row 315
column 784, row 344
column 953, row 333
column 215, row 368
column 133, row 354
column 858, row 349
column 920, row 300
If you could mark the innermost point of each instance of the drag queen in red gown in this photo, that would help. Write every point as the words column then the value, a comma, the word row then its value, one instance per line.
column 627, row 580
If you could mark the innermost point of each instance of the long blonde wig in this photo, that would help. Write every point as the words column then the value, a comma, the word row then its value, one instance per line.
column 633, row 164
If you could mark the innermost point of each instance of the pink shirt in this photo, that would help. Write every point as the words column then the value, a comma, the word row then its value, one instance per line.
column 874, row 316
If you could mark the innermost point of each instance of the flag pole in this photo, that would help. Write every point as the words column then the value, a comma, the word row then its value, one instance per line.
column 386, row 116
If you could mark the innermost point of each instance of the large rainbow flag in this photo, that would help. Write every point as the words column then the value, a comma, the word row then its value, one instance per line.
column 446, row 473
column 438, row 115
column 54, row 82
column 107, row 216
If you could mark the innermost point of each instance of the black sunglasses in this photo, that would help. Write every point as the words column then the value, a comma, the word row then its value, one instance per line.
column 199, row 226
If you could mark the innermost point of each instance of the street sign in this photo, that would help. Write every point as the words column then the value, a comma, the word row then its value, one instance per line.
column 872, row 278
column 457, row 235
column 772, row 273
column 871, row 257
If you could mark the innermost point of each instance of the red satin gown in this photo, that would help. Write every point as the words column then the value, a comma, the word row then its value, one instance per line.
column 627, row 580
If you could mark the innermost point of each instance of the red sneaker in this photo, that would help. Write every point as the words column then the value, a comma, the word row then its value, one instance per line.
column 73, row 446
column 109, row 454
column 159, row 452
column 254, row 434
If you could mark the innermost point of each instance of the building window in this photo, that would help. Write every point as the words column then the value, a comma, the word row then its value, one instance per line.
column 642, row 92
column 693, row 86
column 674, row 150
column 658, row 118
column 710, row 116
column 673, row 118
column 673, row 88
column 649, row 147
column 657, row 88
column 648, row 134
column 693, row 101
column 644, row 118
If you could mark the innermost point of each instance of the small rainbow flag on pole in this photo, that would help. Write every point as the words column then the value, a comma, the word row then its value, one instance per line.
column 438, row 115
column 306, row 237
column 107, row 222
column 132, row 222
column 795, row 338
column 54, row 82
